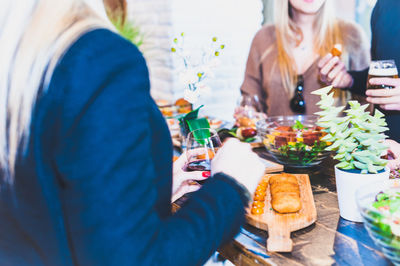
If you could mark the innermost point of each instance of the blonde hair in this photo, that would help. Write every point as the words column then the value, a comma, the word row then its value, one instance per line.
column 288, row 34
column 34, row 35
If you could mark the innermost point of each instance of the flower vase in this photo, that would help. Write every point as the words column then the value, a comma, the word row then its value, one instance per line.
column 347, row 182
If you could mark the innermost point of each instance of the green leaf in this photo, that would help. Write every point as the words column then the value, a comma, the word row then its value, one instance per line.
column 351, row 166
column 339, row 156
column 298, row 125
column 328, row 137
column 342, row 165
column 378, row 114
column 365, row 153
column 351, row 146
column 354, row 104
column 367, row 142
column 362, row 159
column 360, row 165
column 394, row 205
column 372, row 169
column 322, row 91
column 233, row 134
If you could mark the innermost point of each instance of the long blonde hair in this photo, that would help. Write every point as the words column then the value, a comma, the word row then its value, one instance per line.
column 34, row 34
column 288, row 33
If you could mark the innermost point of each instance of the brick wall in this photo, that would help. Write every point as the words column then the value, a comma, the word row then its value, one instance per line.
column 233, row 21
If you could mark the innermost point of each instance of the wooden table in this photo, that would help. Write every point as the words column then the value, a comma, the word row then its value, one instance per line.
column 330, row 241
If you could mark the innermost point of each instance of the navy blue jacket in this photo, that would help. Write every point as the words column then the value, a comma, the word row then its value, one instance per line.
column 385, row 28
column 94, row 186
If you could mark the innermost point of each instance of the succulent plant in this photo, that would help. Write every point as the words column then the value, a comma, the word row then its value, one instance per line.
column 357, row 138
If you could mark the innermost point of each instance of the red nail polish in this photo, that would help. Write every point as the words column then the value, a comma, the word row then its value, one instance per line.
column 206, row 174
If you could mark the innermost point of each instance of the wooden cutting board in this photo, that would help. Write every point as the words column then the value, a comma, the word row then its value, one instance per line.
column 271, row 167
column 279, row 226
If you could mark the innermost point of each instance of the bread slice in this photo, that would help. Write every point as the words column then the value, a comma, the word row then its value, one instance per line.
column 285, row 193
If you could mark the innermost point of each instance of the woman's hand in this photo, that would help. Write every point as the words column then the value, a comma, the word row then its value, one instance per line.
column 388, row 99
column 237, row 160
column 332, row 71
column 183, row 182
column 393, row 151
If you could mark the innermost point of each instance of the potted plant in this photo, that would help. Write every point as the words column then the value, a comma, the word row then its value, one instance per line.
column 194, row 69
column 358, row 141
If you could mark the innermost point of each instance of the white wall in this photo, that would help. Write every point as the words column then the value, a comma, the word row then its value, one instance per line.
column 233, row 21
column 154, row 19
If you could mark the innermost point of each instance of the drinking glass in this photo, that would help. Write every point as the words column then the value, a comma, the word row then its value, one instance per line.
column 248, row 106
column 382, row 69
column 201, row 146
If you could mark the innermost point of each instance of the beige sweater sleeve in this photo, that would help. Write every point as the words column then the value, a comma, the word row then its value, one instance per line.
column 252, row 84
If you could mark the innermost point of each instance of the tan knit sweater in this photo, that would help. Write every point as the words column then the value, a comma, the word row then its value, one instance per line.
column 262, row 76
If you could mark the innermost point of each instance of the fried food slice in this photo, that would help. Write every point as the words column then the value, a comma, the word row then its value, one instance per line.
column 285, row 187
column 286, row 202
column 283, row 178
column 285, row 193
column 337, row 50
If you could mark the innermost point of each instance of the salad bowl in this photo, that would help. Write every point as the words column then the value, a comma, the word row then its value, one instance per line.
column 379, row 205
column 294, row 141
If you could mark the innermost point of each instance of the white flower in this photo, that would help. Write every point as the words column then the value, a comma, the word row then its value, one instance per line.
column 196, row 67
column 191, row 96
column 188, row 76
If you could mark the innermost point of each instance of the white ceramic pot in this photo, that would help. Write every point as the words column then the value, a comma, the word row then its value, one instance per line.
column 346, row 185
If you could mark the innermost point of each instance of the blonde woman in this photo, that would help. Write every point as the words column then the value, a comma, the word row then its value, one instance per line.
column 282, row 67
column 86, row 157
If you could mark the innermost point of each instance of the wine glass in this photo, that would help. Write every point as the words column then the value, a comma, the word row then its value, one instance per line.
column 248, row 105
column 201, row 146
column 248, row 111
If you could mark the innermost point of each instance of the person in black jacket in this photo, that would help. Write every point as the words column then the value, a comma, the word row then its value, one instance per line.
column 385, row 39
column 86, row 156
column 385, row 45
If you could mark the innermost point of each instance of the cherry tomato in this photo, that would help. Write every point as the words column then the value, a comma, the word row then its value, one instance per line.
column 261, row 189
column 259, row 197
column 257, row 211
column 258, row 204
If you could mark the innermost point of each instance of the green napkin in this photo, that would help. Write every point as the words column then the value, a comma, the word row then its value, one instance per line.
column 183, row 121
column 196, row 125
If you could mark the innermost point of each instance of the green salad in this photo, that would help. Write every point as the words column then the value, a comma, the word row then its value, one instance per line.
column 387, row 218
column 301, row 152
column 296, row 144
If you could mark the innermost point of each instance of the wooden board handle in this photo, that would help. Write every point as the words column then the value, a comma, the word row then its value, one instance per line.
column 279, row 239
